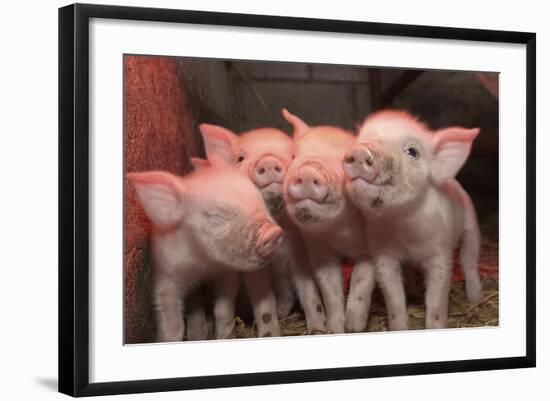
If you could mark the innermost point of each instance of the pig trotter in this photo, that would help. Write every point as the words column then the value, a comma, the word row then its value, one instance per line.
column 388, row 274
column 168, row 308
column 438, row 284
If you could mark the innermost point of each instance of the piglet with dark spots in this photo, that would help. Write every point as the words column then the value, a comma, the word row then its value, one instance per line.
column 400, row 174
column 315, row 199
column 263, row 155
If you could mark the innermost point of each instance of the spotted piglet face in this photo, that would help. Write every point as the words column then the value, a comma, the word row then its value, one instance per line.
column 396, row 158
column 314, row 186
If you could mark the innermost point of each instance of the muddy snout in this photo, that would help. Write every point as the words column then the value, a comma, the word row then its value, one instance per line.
column 361, row 161
column 268, row 170
column 308, row 182
column 269, row 238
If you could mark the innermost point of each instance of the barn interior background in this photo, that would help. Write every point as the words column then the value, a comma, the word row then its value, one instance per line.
column 166, row 98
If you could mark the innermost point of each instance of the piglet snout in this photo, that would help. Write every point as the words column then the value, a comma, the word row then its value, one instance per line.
column 269, row 239
column 268, row 170
column 359, row 162
column 308, row 183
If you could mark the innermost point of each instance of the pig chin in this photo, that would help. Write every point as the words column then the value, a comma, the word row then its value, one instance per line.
column 307, row 212
column 367, row 196
column 258, row 262
column 245, row 259
column 273, row 198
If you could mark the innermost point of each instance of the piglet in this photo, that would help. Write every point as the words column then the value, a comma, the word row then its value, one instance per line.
column 204, row 224
column 263, row 155
column 401, row 176
column 315, row 199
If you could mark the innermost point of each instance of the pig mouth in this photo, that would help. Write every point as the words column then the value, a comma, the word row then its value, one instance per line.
column 304, row 215
column 272, row 186
column 251, row 236
column 373, row 193
column 274, row 202
column 307, row 211
column 307, row 203
column 362, row 187
column 379, row 183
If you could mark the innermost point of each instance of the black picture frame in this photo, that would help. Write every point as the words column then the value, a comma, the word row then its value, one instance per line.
column 74, row 198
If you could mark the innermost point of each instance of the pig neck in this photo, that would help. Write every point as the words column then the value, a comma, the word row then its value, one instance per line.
column 414, row 232
column 176, row 255
column 280, row 216
column 284, row 220
column 345, row 233
column 399, row 213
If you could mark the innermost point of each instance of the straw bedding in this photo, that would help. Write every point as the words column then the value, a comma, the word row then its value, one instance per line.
column 462, row 313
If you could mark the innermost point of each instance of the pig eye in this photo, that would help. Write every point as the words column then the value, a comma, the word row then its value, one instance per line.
column 218, row 217
column 240, row 158
column 412, row 152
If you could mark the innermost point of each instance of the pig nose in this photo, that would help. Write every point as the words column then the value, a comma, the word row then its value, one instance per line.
column 269, row 239
column 268, row 170
column 308, row 183
column 359, row 163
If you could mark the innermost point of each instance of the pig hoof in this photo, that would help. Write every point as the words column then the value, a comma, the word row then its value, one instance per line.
column 397, row 325
column 435, row 325
column 316, row 327
column 436, row 320
column 199, row 333
column 473, row 290
column 336, row 327
column 274, row 332
column 226, row 332
column 284, row 309
column 353, row 325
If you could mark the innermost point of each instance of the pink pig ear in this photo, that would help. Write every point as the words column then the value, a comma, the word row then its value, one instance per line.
column 452, row 148
column 160, row 195
column 299, row 126
column 198, row 163
column 218, row 143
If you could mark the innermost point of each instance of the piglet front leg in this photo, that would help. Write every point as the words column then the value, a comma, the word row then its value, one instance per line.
column 226, row 288
column 306, row 288
column 283, row 288
column 328, row 274
column 438, row 271
column 311, row 301
column 359, row 298
column 469, row 251
column 388, row 275
column 197, row 325
column 168, row 308
column 260, row 292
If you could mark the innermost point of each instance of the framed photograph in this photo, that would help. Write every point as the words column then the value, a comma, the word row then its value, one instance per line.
column 252, row 199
